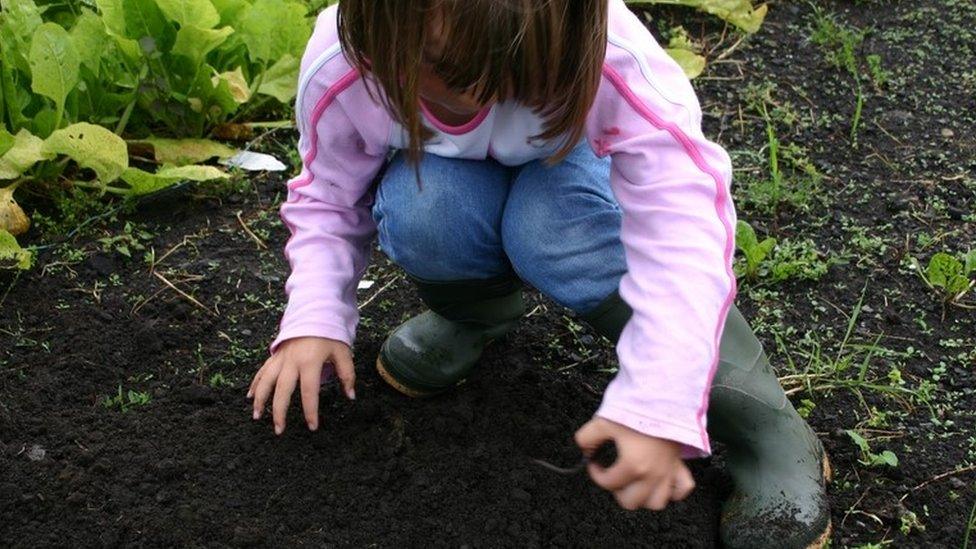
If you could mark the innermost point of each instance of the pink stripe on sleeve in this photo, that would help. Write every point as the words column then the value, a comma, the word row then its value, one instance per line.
column 721, row 200
column 323, row 103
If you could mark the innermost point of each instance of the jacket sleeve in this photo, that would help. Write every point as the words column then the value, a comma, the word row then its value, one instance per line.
column 673, row 186
column 328, row 212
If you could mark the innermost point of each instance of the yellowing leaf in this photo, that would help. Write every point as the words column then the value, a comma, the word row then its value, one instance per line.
column 12, row 217
column 190, row 12
column 92, row 147
column 235, row 83
column 187, row 151
column 11, row 254
column 683, row 50
column 740, row 13
column 26, row 151
column 142, row 182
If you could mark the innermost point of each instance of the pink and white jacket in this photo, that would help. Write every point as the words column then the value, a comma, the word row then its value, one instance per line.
column 670, row 181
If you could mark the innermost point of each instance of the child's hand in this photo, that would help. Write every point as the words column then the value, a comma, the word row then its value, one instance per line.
column 648, row 471
column 300, row 359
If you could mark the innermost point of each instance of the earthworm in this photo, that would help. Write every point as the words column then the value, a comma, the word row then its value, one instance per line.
column 605, row 455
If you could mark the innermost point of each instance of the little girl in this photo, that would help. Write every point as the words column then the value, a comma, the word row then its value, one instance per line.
column 551, row 142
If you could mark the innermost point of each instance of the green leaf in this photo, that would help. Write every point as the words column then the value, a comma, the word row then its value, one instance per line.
column 92, row 147
column 943, row 269
column 281, row 79
column 970, row 262
column 683, row 50
column 11, row 254
column 690, row 62
column 200, row 13
column 144, row 21
column 54, row 63
column 26, row 151
column 273, row 28
column 91, row 40
column 738, row 12
column 113, row 16
column 886, row 457
column 6, row 141
column 142, row 182
column 18, row 21
column 195, row 42
column 859, row 441
column 181, row 152
column 231, row 11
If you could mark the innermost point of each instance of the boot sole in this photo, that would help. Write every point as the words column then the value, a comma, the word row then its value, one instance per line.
column 393, row 382
column 824, row 538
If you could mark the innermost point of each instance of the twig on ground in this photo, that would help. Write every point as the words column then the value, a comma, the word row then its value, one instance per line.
column 937, row 478
column 185, row 295
column 257, row 240
column 378, row 292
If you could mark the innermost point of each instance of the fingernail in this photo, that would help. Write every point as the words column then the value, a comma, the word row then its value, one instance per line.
column 250, row 394
column 278, row 429
column 256, row 415
column 312, row 427
column 351, row 393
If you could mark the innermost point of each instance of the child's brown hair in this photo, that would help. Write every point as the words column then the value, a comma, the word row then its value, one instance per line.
column 546, row 54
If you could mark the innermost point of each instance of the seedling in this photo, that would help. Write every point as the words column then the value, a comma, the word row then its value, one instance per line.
column 755, row 252
column 949, row 276
column 127, row 400
column 869, row 458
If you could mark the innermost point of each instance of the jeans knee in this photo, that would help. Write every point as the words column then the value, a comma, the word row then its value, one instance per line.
column 440, row 229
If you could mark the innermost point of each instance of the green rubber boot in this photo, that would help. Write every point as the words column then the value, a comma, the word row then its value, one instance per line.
column 435, row 350
column 778, row 465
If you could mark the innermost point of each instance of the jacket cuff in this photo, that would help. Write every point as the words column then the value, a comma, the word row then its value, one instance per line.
column 312, row 329
column 694, row 442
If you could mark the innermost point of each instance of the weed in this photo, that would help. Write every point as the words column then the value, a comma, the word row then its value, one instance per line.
column 840, row 45
column 127, row 400
column 755, row 252
column 948, row 275
column 869, row 458
column 218, row 380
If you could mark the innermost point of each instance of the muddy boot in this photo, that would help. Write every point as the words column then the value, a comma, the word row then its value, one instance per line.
column 777, row 463
column 434, row 351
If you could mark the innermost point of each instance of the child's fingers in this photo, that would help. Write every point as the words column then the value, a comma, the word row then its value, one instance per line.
column 257, row 377
column 591, row 436
column 613, row 478
column 634, row 495
column 346, row 372
column 282, row 396
column 684, row 484
column 264, row 386
column 660, row 496
column 310, row 385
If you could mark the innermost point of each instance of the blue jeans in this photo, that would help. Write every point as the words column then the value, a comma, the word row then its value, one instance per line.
column 557, row 228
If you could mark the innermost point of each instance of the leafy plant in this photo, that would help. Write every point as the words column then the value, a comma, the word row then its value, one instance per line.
column 947, row 275
column 753, row 250
column 127, row 400
column 740, row 13
column 78, row 76
column 869, row 458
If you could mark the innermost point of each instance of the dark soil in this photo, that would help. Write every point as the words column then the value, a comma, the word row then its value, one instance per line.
column 191, row 468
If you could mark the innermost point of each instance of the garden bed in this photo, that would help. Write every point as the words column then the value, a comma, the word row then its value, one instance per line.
column 122, row 412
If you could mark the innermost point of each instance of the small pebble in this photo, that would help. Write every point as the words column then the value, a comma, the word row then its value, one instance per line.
column 946, row 132
column 36, row 452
